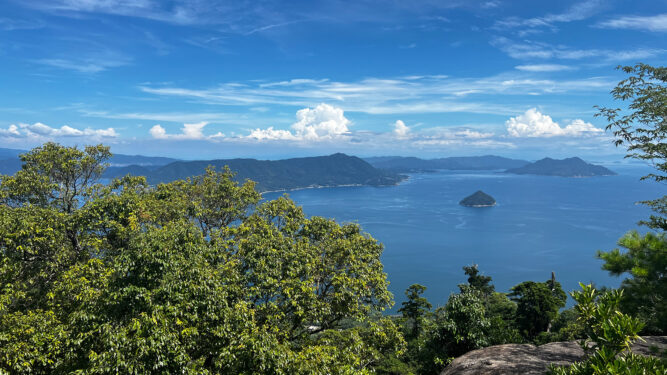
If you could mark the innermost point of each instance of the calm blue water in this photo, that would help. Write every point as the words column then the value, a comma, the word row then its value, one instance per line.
column 541, row 224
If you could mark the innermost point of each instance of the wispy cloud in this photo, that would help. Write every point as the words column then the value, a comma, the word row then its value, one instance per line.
column 577, row 12
column 79, row 66
column 88, row 64
column 656, row 23
column 544, row 68
column 11, row 24
column 248, row 17
column 398, row 95
column 531, row 50
column 179, row 117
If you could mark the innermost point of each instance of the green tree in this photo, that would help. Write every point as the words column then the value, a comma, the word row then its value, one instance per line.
column 610, row 334
column 192, row 277
column 537, row 305
column 646, row 290
column 415, row 310
column 478, row 281
column 499, row 310
column 460, row 326
column 643, row 126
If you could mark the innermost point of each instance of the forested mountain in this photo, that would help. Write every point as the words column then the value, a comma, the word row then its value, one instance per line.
column 413, row 164
column 333, row 170
column 570, row 167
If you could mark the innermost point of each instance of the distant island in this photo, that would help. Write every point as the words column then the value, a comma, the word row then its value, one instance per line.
column 275, row 175
column 403, row 164
column 478, row 199
column 570, row 167
column 322, row 171
column 270, row 175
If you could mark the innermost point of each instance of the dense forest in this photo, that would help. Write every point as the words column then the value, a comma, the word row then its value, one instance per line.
column 201, row 276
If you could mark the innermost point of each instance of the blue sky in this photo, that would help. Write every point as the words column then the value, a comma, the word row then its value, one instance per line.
column 270, row 79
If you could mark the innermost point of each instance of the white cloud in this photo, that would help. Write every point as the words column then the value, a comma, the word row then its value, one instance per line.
column 323, row 121
column 649, row 23
column 490, row 4
column 42, row 131
column 271, row 134
column 543, row 68
column 400, row 129
column 577, row 12
column 158, row 132
column 529, row 50
column 12, row 131
column 93, row 63
column 397, row 95
column 194, row 131
column 535, row 124
column 467, row 133
column 320, row 123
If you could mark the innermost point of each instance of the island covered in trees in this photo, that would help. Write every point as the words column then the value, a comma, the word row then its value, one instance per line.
column 570, row 167
column 478, row 199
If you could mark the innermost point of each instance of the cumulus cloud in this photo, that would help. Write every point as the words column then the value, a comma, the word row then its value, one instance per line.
column 40, row 130
column 400, row 129
column 271, row 134
column 323, row 121
column 12, row 131
column 535, row 124
column 320, row 123
column 193, row 131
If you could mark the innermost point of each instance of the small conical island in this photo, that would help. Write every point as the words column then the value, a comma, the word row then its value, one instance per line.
column 478, row 199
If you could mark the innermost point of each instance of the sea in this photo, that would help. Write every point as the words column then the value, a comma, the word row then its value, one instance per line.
column 540, row 225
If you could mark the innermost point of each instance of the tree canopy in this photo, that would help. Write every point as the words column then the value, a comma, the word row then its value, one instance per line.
column 642, row 126
column 195, row 276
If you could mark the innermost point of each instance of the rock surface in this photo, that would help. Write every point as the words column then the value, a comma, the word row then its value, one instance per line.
column 525, row 359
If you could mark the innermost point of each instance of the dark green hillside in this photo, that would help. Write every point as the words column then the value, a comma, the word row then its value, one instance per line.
column 333, row 170
column 570, row 167
column 478, row 199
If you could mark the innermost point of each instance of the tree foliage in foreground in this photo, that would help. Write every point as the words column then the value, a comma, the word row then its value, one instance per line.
column 645, row 292
column 610, row 334
column 537, row 305
column 642, row 127
column 195, row 276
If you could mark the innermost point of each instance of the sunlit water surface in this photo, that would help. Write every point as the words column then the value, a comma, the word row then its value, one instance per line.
column 540, row 224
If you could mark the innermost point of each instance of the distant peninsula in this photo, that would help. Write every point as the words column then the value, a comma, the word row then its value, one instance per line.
column 570, row 167
column 402, row 164
column 275, row 175
column 269, row 175
column 478, row 199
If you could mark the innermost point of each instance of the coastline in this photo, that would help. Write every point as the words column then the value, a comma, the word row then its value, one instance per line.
column 331, row 186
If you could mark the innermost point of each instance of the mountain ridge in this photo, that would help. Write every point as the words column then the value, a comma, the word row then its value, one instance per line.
column 568, row 167
column 414, row 164
column 271, row 175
